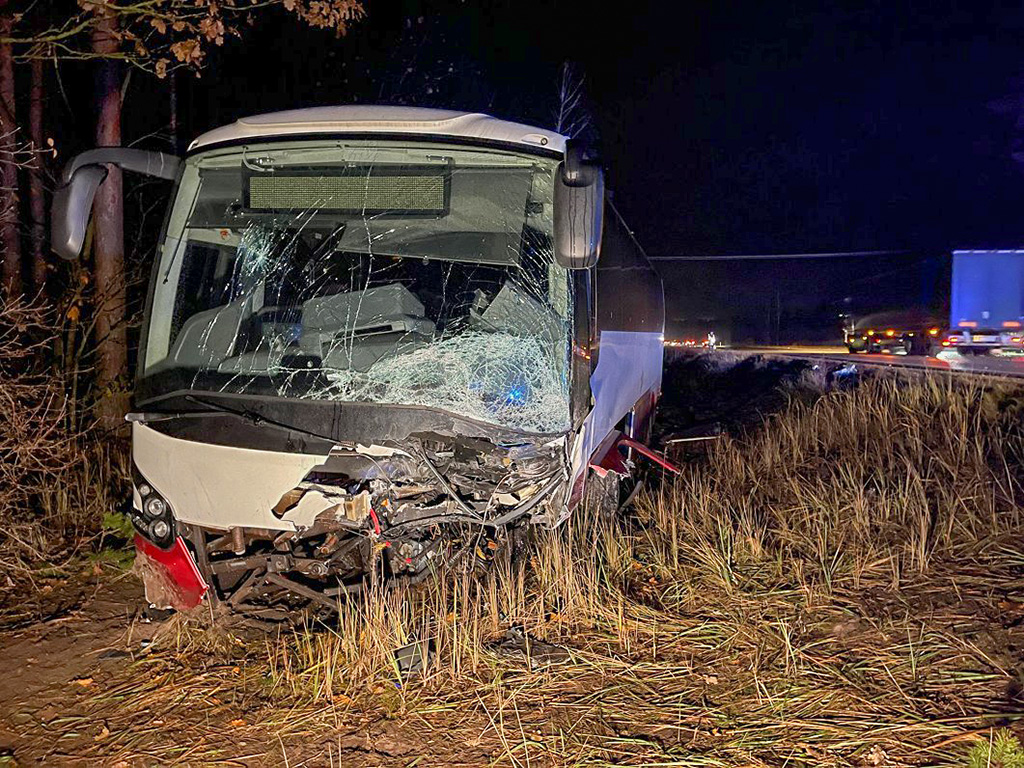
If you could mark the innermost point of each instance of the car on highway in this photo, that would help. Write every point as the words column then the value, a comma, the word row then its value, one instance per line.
column 912, row 332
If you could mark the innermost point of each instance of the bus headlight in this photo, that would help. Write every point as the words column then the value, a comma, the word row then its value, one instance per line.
column 154, row 521
column 155, row 506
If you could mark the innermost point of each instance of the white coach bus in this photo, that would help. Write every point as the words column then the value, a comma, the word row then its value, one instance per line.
column 373, row 336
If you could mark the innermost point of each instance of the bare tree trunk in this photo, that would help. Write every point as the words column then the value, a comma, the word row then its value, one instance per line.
column 108, row 242
column 172, row 125
column 37, row 202
column 10, row 242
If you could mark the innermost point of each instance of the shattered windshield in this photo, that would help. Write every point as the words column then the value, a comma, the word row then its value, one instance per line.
column 388, row 272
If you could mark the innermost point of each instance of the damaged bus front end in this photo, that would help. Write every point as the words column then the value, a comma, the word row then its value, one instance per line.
column 374, row 345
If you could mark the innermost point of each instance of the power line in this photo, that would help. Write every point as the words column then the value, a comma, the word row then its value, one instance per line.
column 768, row 256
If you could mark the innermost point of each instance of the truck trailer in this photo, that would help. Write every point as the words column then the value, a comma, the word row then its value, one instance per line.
column 376, row 340
column 986, row 301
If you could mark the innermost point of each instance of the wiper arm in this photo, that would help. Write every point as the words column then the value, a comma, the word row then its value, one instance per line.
column 147, row 417
column 216, row 409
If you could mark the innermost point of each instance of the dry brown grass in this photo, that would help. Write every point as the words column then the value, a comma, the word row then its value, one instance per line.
column 840, row 587
column 888, row 478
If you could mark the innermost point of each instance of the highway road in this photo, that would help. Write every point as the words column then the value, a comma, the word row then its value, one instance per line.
column 992, row 364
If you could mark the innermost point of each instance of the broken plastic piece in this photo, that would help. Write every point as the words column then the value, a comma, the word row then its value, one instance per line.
column 171, row 577
column 415, row 656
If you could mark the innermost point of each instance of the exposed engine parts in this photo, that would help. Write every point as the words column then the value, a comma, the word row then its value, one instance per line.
column 379, row 512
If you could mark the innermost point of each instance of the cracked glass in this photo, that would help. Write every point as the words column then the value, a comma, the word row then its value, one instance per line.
column 391, row 272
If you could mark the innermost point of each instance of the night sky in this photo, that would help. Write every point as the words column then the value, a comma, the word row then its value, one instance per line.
column 726, row 128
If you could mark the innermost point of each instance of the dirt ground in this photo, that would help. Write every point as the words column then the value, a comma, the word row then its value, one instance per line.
column 64, row 671
column 71, row 636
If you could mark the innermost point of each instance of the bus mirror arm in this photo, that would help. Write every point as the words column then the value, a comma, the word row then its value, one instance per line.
column 72, row 201
column 579, row 212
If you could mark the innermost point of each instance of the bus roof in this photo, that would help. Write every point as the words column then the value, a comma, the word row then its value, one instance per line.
column 413, row 121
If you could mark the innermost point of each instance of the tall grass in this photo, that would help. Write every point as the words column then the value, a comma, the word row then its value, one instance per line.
column 887, row 478
column 835, row 587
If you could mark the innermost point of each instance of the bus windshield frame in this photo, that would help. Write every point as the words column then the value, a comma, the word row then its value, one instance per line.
column 397, row 272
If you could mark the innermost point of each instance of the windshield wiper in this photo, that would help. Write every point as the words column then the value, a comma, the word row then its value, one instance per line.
column 148, row 417
column 217, row 409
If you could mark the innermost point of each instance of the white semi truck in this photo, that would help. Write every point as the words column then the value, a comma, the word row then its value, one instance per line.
column 373, row 335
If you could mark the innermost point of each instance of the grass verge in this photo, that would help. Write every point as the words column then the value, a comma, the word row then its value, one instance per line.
column 841, row 586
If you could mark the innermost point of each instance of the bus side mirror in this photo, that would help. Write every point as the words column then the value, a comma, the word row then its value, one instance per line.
column 579, row 212
column 72, row 201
